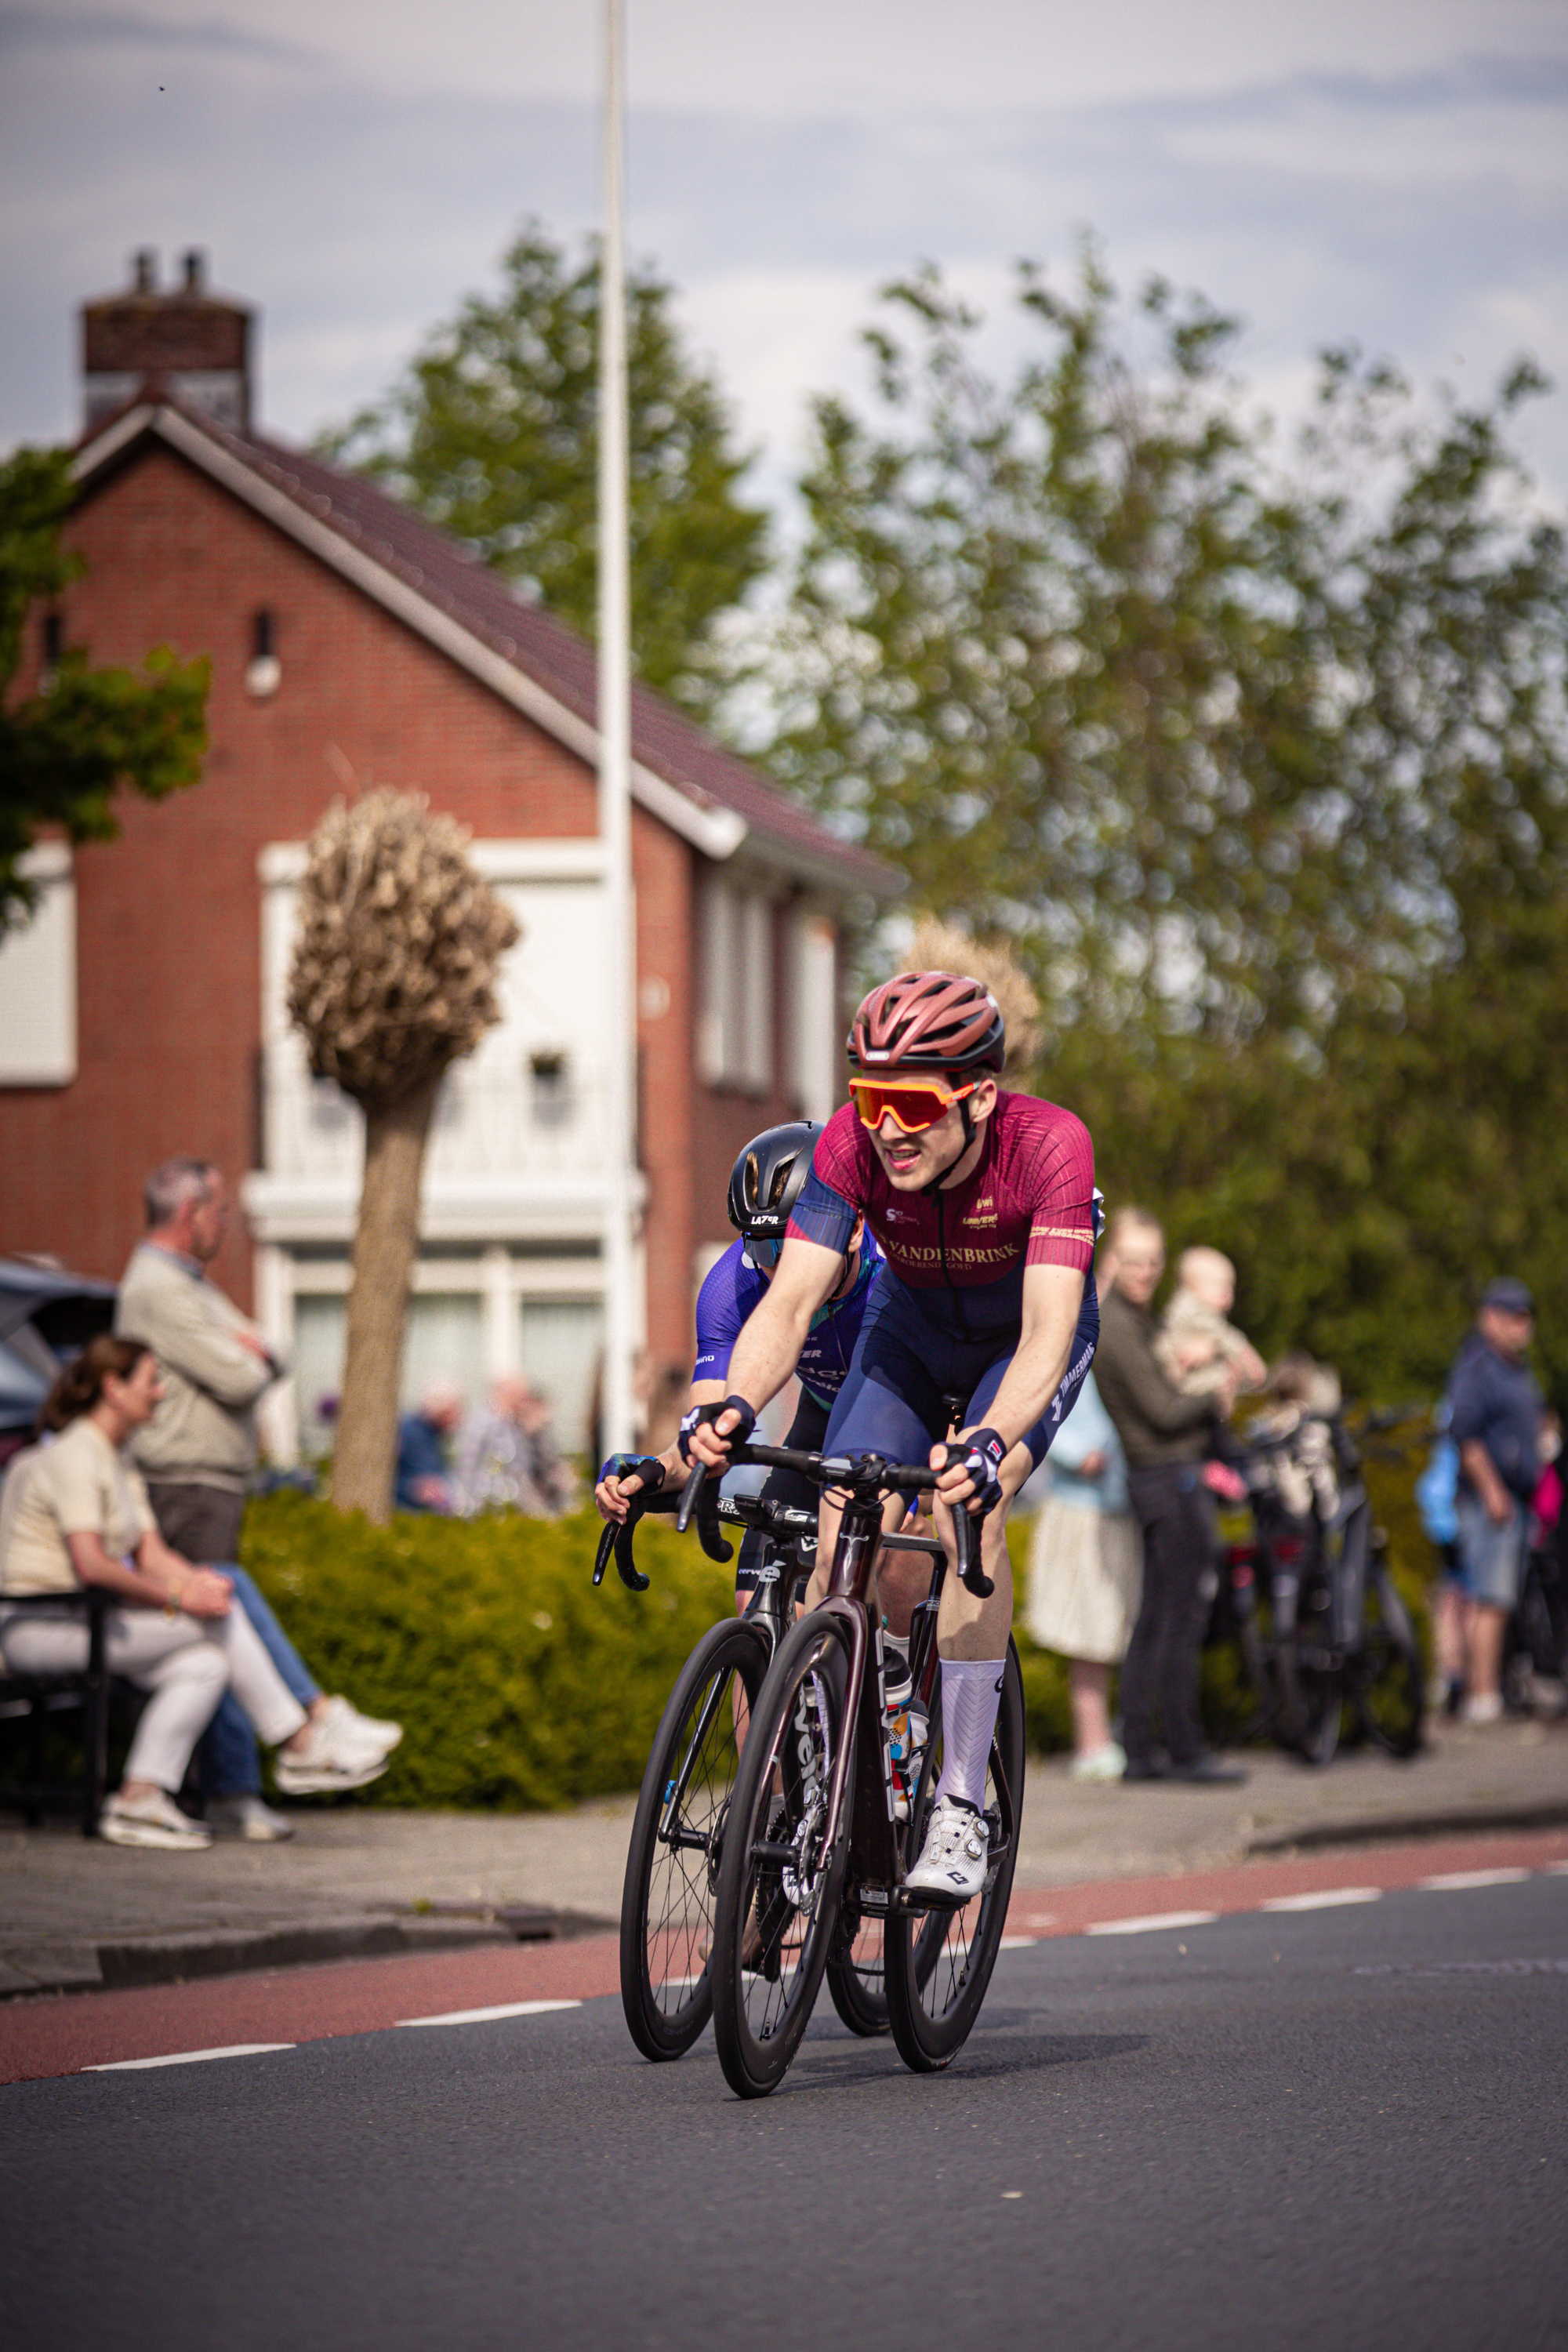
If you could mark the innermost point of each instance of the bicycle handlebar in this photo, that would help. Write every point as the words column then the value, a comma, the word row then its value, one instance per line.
column 865, row 1474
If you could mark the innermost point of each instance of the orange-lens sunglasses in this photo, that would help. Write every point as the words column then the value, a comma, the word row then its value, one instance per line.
column 915, row 1104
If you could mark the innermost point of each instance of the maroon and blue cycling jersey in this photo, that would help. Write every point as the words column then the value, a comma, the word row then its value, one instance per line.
column 734, row 1288
column 1030, row 1202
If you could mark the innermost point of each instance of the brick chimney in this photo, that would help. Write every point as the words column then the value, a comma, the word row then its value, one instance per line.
column 186, row 342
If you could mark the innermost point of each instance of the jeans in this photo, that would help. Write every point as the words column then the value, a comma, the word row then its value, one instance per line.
column 1491, row 1558
column 230, row 1759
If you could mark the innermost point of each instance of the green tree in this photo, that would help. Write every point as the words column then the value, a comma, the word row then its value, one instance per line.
column 493, row 433
column 1256, row 759
column 67, row 750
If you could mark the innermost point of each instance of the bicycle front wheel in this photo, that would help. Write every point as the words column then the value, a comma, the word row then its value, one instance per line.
column 672, row 1863
column 1311, row 1677
column 940, row 1962
column 781, row 1876
column 1392, row 1695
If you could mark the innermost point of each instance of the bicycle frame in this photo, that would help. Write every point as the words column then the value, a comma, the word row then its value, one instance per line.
column 876, row 1859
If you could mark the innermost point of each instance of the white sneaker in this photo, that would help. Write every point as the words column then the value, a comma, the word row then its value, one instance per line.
column 1485, row 1708
column 247, row 1818
column 365, row 1730
column 957, row 1852
column 154, row 1820
column 326, row 1761
column 1106, row 1763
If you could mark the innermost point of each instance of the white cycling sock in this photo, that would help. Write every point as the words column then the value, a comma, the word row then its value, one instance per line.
column 971, row 1695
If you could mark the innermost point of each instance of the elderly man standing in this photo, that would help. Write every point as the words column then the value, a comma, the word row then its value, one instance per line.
column 1165, row 1437
column 1495, row 1426
column 199, row 1450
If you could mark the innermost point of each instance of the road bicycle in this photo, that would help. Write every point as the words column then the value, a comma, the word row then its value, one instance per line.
column 1323, row 1628
column 813, row 1847
column 678, row 1833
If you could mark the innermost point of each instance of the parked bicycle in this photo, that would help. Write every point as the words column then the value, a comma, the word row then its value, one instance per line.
column 1322, row 1626
column 1535, row 1641
column 678, row 1833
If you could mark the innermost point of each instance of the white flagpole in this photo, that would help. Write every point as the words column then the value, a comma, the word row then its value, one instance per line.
column 615, row 767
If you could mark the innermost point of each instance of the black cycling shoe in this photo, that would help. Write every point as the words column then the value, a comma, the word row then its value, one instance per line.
column 1210, row 1771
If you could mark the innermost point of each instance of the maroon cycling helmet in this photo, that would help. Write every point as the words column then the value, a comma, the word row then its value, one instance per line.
column 928, row 1021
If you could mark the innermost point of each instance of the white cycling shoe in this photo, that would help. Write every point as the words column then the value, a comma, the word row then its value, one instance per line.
column 957, row 1854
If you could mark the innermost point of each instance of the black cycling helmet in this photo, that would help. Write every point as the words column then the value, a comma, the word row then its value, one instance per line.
column 766, row 1181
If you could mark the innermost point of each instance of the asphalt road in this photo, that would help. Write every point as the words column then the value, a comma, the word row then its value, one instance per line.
column 1329, row 2128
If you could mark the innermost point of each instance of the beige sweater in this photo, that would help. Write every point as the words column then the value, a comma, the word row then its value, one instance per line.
column 203, row 1432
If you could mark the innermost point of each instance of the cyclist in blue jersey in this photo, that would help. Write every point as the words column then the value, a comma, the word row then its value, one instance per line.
column 764, row 1186
column 985, row 1206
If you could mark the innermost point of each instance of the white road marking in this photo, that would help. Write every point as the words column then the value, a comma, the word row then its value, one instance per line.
column 1155, row 1920
column 1453, row 1882
column 1326, row 1898
column 188, row 2057
column 1557, row 1870
column 1017, row 1944
column 486, row 2016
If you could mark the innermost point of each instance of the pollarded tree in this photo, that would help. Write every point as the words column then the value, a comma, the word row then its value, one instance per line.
column 392, row 979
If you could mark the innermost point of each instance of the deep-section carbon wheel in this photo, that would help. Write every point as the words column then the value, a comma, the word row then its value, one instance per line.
column 778, row 1881
column 672, row 1864
column 940, row 1962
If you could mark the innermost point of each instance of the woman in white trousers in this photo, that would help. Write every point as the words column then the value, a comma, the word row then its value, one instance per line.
column 76, row 1513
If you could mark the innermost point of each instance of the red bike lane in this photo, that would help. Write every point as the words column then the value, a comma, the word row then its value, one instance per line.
column 67, row 2033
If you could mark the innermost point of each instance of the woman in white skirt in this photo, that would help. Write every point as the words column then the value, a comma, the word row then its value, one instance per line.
column 1086, row 1574
column 76, row 1513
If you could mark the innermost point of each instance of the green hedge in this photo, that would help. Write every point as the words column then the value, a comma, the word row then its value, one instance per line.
column 516, row 1684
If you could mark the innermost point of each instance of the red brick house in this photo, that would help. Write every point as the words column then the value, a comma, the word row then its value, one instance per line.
column 141, row 1014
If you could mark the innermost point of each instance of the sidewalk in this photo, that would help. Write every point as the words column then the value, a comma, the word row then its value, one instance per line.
column 76, row 1915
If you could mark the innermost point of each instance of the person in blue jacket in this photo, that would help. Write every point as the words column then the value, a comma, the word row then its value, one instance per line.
column 764, row 1184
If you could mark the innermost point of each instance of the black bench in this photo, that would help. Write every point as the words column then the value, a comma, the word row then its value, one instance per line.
column 34, row 1698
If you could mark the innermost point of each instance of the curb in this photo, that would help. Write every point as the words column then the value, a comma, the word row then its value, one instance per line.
column 1384, row 1829
column 111, row 1966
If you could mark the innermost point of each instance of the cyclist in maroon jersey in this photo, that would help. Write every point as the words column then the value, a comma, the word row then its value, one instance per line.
column 984, row 1207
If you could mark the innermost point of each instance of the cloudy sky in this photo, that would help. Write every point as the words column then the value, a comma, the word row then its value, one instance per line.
column 1391, row 171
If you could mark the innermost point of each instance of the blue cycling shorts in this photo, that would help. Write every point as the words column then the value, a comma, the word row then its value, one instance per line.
column 904, row 1364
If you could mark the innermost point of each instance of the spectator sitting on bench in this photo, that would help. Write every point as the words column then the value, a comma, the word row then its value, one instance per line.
column 76, row 1513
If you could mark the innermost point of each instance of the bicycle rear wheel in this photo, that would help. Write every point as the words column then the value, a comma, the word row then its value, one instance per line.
column 673, row 1863
column 1392, row 1697
column 780, row 1879
column 940, row 1962
column 857, row 1976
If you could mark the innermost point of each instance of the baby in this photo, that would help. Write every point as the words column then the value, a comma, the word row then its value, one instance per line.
column 1199, row 1350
